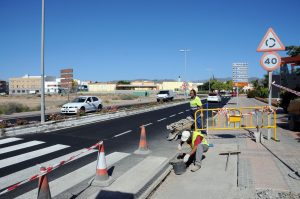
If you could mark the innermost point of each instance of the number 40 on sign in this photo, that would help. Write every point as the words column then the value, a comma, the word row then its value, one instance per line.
column 270, row 61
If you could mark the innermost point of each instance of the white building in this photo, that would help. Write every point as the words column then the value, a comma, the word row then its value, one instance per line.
column 240, row 72
column 52, row 87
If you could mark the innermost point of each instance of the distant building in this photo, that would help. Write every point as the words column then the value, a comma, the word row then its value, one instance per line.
column 101, row 87
column 53, row 87
column 138, row 85
column 240, row 72
column 179, row 86
column 27, row 84
column 3, row 86
column 66, row 76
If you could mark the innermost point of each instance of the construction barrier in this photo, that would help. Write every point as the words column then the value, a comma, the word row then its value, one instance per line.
column 286, row 89
column 262, row 117
column 44, row 171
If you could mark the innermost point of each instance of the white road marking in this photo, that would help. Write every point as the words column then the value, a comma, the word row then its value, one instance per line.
column 8, row 140
column 122, row 133
column 30, row 155
column 20, row 146
column 147, row 124
column 180, row 113
column 69, row 180
column 172, row 115
column 187, row 110
column 161, row 119
column 30, row 171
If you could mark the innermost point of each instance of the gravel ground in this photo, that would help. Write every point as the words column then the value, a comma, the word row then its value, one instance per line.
column 271, row 194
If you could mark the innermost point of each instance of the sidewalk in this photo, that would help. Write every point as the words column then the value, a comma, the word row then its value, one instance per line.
column 255, row 173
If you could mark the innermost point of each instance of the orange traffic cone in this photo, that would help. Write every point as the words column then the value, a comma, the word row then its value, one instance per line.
column 43, row 190
column 143, row 148
column 102, row 178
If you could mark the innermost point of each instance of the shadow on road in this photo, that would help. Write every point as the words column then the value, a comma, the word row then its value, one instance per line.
column 104, row 194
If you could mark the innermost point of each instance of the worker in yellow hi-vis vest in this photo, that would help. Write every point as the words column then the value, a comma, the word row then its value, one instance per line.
column 195, row 105
column 199, row 146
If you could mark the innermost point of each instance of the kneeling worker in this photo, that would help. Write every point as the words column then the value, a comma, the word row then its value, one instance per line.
column 198, row 144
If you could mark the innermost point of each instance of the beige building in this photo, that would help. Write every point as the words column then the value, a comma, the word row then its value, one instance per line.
column 178, row 86
column 27, row 84
column 101, row 87
column 138, row 85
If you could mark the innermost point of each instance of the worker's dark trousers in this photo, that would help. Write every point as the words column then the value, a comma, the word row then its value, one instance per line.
column 202, row 148
column 198, row 119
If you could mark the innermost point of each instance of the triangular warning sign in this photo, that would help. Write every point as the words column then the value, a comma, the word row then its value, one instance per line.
column 270, row 42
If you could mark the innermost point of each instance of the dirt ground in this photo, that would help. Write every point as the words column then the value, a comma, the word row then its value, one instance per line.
column 56, row 101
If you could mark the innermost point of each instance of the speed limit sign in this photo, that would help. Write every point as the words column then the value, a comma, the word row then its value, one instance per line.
column 270, row 61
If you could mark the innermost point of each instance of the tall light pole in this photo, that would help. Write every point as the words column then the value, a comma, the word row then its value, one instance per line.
column 42, row 65
column 185, row 76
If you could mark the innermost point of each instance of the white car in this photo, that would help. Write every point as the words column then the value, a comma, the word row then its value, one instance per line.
column 165, row 95
column 82, row 103
column 214, row 97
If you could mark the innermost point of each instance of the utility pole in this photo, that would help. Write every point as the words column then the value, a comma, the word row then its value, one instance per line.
column 42, row 65
column 185, row 76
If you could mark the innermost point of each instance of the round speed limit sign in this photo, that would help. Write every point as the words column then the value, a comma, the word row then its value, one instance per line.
column 270, row 61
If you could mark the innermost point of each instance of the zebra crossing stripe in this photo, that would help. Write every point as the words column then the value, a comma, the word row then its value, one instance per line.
column 26, row 173
column 20, row 146
column 30, row 155
column 69, row 180
column 8, row 140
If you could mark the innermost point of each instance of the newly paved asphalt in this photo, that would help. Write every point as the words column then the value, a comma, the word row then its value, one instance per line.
column 121, row 134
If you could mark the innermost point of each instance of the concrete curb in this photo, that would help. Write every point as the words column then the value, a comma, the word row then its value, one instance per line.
column 152, row 187
column 156, row 180
column 71, row 122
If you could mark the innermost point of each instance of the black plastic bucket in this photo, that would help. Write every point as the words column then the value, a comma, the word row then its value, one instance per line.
column 179, row 167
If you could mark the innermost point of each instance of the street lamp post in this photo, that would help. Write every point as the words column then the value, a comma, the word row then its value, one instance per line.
column 185, row 76
column 42, row 65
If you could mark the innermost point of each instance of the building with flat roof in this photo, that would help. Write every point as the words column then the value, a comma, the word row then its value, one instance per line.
column 27, row 84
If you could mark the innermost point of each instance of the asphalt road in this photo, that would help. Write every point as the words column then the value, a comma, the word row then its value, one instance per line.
column 121, row 134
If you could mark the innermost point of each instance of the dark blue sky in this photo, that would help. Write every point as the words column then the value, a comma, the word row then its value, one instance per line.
column 127, row 39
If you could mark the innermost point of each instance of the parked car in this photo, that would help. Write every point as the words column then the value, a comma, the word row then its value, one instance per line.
column 233, row 94
column 165, row 95
column 214, row 97
column 225, row 94
column 83, row 104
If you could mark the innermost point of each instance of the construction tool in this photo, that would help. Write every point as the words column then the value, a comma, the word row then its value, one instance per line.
column 228, row 153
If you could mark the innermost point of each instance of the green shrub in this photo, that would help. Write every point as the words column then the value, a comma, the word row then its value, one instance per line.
column 3, row 124
column 11, row 107
column 21, row 122
column 263, row 92
column 128, row 97
column 252, row 94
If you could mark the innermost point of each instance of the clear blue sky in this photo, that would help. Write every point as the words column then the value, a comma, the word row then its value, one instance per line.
column 107, row 40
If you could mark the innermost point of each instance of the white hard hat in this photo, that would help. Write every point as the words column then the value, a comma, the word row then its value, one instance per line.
column 185, row 136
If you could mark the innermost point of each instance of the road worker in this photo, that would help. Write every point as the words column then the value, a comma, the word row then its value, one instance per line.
column 199, row 145
column 195, row 105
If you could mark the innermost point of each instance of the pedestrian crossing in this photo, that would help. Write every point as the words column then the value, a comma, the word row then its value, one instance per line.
column 63, row 180
column 20, row 146
column 30, row 155
column 37, row 150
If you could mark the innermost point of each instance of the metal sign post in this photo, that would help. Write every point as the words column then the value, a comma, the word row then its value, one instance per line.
column 269, row 102
column 270, row 61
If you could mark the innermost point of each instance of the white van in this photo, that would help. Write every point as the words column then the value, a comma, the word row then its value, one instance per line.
column 165, row 95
